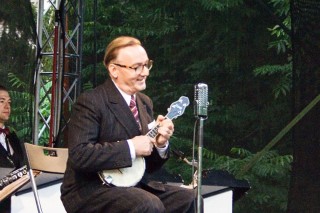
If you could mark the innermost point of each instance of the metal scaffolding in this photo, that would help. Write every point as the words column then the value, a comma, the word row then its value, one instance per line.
column 57, row 74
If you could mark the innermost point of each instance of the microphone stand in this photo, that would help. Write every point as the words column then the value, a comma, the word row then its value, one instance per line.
column 201, row 103
column 199, row 184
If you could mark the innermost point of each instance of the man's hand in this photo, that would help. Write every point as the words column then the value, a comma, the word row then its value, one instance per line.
column 165, row 131
column 143, row 145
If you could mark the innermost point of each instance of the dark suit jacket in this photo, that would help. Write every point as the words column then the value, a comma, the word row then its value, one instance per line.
column 100, row 124
column 15, row 161
column 18, row 156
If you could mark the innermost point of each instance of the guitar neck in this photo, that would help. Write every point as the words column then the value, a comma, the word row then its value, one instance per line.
column 154, row 131
column 176, row 109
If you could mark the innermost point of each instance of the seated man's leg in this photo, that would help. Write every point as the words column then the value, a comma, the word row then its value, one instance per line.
column 178, row 199
column 123, row 199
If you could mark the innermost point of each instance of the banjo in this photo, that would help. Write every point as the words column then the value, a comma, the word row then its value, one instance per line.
column 130, row 176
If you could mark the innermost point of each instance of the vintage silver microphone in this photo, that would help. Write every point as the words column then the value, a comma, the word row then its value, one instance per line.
column 201, row 112
column 201, row 100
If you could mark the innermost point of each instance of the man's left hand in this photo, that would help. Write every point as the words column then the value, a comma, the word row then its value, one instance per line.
column 165, row 131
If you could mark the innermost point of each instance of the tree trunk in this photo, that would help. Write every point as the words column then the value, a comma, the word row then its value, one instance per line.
column 304, row 192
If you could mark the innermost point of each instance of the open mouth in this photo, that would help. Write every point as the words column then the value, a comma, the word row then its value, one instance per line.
column 141, row 80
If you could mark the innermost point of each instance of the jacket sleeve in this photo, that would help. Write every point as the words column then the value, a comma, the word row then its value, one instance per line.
column 88, row 152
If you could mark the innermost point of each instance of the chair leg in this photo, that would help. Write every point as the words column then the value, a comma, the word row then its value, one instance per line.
column 35, row 191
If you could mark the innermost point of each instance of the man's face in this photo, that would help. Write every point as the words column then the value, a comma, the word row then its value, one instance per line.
column 127, row 79
column 5, row 108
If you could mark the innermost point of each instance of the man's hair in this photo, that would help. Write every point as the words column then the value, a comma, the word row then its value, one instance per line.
column 3, row 88
column 114, row 46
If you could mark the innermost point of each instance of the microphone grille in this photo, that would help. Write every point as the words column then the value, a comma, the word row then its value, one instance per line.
column 201, row 99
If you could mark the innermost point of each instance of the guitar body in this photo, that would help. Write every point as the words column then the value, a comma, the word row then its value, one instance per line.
column 125, row 177
column 130, row 176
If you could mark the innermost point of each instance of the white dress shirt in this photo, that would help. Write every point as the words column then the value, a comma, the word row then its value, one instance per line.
column 162, row 151
column 4, row 144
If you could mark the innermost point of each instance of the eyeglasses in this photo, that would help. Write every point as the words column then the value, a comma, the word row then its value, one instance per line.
column 138, row 69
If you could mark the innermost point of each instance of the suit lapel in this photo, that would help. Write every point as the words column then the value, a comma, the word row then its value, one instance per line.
column 142, row 114
column 3, row 151
column 120, row 109
column 9, row 159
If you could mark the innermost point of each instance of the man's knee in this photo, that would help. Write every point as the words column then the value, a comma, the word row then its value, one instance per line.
column 153, row 205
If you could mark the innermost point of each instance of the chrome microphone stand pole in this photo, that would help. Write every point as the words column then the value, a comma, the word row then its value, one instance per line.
column 199, row 172
column 201, row 112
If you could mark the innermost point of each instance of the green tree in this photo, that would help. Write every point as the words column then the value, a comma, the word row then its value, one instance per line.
column 220, row 43
column 305, row 183
column 17, row 59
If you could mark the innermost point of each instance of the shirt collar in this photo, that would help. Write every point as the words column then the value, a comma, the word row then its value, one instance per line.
column 126, row 97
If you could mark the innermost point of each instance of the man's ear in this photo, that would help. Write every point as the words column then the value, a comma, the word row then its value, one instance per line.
column 113, row 71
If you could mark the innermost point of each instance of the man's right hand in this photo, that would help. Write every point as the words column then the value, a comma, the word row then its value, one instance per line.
column 143, row 145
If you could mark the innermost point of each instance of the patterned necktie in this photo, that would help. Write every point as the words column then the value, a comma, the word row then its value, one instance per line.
column 134, row 110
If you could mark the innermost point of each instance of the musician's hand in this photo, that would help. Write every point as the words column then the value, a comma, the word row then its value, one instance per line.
column 143, row 145
column 165, row 131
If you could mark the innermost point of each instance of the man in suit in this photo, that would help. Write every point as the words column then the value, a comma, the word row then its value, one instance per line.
column 11, row 154
column 104, row 134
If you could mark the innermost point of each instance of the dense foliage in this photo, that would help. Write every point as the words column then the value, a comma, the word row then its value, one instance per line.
column 17, row 60
column 241, row 49
column 235, row 47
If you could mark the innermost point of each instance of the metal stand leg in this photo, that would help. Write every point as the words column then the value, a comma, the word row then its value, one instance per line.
column 200, row 146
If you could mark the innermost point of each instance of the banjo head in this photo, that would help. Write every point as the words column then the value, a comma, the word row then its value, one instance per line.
column 125, row 177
